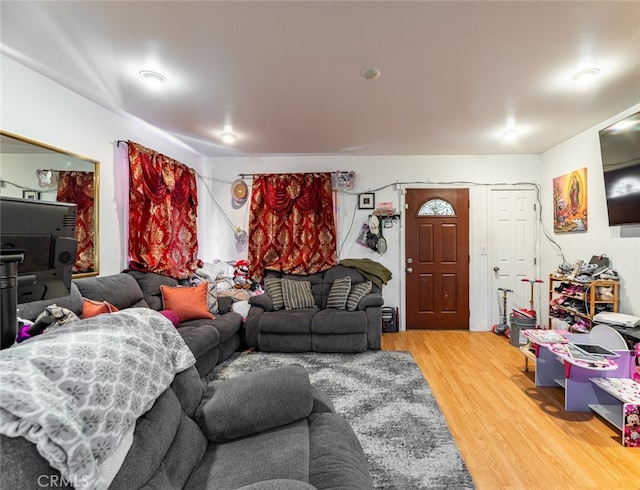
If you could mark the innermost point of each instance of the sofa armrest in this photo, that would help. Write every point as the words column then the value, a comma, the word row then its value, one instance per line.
column 255, row 402
column 321, row 401
column 371, row 299
column 262, row 300
column 225, row 304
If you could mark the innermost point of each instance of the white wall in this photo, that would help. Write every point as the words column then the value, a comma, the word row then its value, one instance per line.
column 37, row 108
column 387, row 176
column 620, row 244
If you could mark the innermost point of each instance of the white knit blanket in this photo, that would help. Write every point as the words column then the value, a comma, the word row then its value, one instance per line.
column 76, row 390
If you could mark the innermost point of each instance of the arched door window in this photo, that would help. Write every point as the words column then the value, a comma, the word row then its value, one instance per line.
column 436, row 207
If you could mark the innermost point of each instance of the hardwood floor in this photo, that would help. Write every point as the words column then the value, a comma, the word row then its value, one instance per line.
column 510, row 433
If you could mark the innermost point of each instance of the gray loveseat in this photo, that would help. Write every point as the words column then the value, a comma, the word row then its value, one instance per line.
column 210, row 340
column 269, row 430
column 317, row 328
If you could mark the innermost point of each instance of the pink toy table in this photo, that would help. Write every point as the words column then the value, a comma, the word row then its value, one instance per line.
column 555, row 367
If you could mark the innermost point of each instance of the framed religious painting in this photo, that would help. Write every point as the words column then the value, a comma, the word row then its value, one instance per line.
column 570, row 202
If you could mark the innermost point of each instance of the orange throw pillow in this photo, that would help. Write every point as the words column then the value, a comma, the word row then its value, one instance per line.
column 189, row 303
column 91, row 308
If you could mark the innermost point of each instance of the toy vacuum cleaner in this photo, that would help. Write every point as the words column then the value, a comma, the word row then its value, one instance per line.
column 503, row 328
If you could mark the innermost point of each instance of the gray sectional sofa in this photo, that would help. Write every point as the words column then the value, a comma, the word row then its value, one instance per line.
column 269, row 430
column 318, row 328
column 210, row 340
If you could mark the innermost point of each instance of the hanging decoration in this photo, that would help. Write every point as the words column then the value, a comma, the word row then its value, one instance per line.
column 344, row 181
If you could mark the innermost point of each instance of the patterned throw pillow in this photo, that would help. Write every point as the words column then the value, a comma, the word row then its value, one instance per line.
column 358, row 292
column 273, row 285
column 339, row 293
column 297, row 294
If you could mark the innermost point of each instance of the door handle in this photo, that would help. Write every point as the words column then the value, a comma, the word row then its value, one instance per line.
column 409, row 270
column 496, row 269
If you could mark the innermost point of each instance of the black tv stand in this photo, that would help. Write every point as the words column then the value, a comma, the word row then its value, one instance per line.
column 9, row 260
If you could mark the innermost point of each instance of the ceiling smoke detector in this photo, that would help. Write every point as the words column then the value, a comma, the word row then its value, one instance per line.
column 371, row 73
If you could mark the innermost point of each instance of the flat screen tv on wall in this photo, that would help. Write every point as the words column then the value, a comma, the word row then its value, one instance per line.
column 620, row 149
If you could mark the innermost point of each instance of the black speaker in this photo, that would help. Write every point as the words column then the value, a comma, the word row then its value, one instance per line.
column 389, row 319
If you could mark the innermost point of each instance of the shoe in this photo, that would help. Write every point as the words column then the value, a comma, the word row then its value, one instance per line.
column 604, row 293
column 600, row 270
column 588, row 268
column 583, row 278
column 565, row 268
column 581, row 326
column 610, row 275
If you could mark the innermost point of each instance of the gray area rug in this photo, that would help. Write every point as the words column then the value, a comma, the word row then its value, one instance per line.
column 390, row 406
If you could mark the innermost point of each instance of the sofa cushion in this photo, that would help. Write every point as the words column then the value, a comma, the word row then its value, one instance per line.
column 287, row 321
column 30, row 311
column 189, row 303
column 339, row 293
column 339, row 322
column 358, row 292
column 255, row 402
column 199, row 335
column 150, row 283
column 273, row 286
column 121, row 290
column 281, row 453
column 165, row 439
column 338, row 460
column 297, row 294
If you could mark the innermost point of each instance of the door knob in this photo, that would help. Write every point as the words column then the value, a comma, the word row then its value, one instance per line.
column 409, row 270
column 496, row 269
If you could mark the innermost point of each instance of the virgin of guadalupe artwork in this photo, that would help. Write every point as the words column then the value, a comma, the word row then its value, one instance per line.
column 570, row 202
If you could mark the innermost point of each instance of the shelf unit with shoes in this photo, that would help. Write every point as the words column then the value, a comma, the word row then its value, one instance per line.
column 577, row 302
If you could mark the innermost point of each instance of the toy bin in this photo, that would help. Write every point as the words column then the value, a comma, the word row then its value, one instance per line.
column 518, row 326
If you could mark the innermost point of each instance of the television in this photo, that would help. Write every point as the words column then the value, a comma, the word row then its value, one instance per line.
column 38, row 247
column 620, row 150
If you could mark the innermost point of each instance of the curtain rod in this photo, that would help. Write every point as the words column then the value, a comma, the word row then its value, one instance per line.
column 250, row 176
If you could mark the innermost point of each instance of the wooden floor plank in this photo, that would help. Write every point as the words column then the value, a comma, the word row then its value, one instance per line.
column 511, row 433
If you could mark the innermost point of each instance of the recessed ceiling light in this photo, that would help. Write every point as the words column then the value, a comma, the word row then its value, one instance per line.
column 510, row 135
column 586, row 76
column 153, row 79
column 228, row 137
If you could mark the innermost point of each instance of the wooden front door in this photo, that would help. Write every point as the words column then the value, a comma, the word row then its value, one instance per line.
column 437, row 258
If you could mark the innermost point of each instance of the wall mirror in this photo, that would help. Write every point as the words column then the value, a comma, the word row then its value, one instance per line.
column 33, row 170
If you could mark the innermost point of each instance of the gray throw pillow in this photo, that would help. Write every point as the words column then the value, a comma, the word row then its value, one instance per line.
column 339, row 293
column 358, row 291
column 273, row 285
column 255, row 402
column 297, row 294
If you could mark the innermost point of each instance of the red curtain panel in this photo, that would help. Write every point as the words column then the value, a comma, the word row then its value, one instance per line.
column 78, row 188
column 163, row 203
column 291, row 224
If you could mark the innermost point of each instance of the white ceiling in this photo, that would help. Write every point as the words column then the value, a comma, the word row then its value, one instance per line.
column 287, row 75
